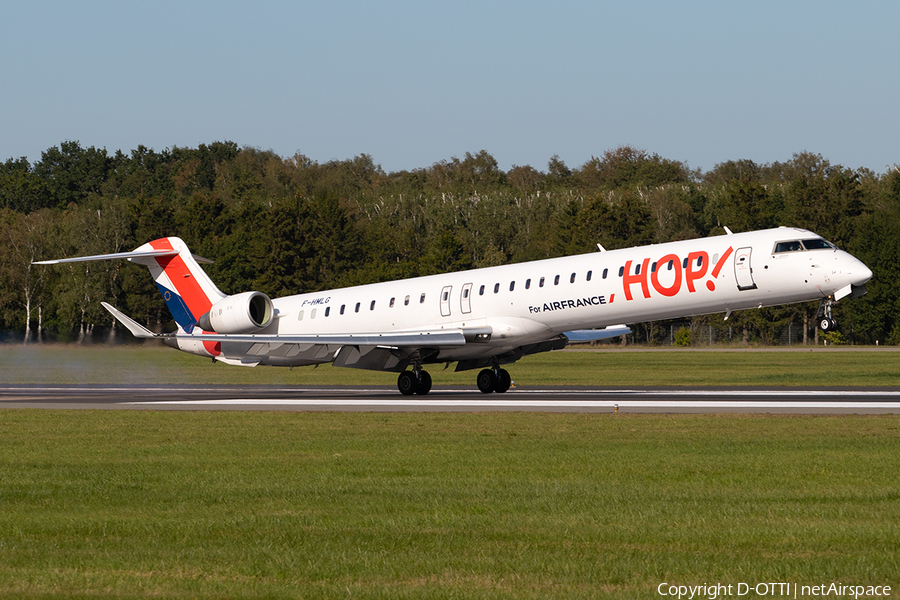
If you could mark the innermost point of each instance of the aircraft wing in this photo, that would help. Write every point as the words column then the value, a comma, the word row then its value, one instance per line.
column 429, row 338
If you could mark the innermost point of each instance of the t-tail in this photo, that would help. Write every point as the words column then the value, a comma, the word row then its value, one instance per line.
column 188, row 291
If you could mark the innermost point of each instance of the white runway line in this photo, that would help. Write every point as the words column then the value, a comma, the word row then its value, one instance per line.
column 483, row 404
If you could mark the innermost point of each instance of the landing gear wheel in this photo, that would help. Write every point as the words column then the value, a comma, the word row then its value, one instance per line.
column 407, row 383
column 503, row 381
column 424, row 383
column 827, row 324
column 486, row 381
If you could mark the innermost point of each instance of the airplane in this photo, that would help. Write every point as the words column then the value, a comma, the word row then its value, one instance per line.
column 488, row 317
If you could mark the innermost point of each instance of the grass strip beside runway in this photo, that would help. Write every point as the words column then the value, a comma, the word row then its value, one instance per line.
column 151, row 364
column 512, row 505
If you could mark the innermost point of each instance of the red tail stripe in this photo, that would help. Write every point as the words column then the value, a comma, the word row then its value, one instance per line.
column 183, row 280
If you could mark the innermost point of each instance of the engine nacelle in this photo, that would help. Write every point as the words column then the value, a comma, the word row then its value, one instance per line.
column 242, row 313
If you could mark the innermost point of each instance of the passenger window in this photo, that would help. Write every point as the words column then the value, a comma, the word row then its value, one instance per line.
column 327, row 311
column 605, row 273
column 572, row 278
column 300, row 316
column 671, row 264
column 589, row 275
column 541, row 283
column 684, row 264
column 496, row 287
column 653, row 268
column 422, row 299
column 357, row 307
column 372, row 306
column 512, row 285
column 527, row 284
column 392, row 303
column 637, row 269
column 466, row 293
column 556, row 280
column 621, row 271
column 312, row 314
column 481, row 291
column 343, row 306
column 406, row 301
column 446, row 296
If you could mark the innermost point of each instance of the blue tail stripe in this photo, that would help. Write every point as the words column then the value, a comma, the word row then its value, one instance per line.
column 178, row 308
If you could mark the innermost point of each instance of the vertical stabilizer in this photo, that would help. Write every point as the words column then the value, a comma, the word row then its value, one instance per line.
column 187, row 289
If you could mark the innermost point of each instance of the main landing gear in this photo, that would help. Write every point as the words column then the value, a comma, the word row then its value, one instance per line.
column 493, row 380
column 418, row 381
column 414, row 382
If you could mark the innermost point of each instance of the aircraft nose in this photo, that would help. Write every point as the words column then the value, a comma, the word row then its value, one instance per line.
column 858, row 272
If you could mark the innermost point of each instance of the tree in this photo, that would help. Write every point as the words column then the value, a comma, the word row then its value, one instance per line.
column 627, row 166
column 71, row 173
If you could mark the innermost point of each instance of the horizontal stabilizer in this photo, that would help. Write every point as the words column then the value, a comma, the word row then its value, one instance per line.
column 120, row 255
column 114, row 256
column 590, row 335
column 136, row 329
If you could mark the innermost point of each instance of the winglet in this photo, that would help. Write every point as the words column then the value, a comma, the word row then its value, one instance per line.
column 136, row 329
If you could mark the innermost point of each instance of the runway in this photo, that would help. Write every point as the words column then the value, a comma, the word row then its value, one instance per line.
column 387, row 399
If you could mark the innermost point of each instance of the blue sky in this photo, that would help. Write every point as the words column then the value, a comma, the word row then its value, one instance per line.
column 413, row 83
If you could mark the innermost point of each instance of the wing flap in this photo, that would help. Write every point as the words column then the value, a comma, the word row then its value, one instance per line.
column 590, row 335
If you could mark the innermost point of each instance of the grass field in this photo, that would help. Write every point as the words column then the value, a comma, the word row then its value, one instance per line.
column 611, row 367
column 147, row 504
column 316, row 505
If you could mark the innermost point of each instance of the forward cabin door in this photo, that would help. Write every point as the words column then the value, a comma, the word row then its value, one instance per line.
column 445, row 300
column 743, row 273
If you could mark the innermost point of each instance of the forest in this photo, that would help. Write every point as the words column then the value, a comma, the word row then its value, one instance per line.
column 293, row 225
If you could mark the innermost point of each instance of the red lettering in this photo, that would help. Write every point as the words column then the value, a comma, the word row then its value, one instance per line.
column 628, row 279
column 710, row 285
column 663, row 263
column 690, row 275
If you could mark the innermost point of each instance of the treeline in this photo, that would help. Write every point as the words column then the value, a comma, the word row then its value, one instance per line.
column 292, row 225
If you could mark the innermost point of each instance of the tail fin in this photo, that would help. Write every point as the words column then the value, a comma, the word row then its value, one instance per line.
column 188, row 291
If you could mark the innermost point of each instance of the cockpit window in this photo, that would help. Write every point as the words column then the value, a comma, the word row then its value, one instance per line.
column 817, row 244
column 792, row 246
column 797, row 245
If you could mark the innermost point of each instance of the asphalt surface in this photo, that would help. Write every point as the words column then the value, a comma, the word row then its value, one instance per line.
column 388, row 399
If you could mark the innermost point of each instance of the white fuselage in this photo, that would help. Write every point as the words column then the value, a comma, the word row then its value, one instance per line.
column 532, row 302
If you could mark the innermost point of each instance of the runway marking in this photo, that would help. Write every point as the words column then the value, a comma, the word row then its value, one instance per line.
column 437, row 403
column 780, row 393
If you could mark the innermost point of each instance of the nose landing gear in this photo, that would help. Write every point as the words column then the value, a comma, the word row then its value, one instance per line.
column 823, row 316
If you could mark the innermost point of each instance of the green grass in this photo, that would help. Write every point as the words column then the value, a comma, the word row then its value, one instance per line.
column 318, row 505
column 609, row 367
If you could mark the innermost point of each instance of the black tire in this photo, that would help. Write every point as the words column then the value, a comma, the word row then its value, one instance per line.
column 486, row 381
column 503, row 381
column 407, row 383
column 826, row 324
column 424, row 383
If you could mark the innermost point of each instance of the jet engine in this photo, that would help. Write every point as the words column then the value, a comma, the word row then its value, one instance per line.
column 248, row 312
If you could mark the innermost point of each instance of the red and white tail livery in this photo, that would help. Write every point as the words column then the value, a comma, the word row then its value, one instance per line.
column 485, row 318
